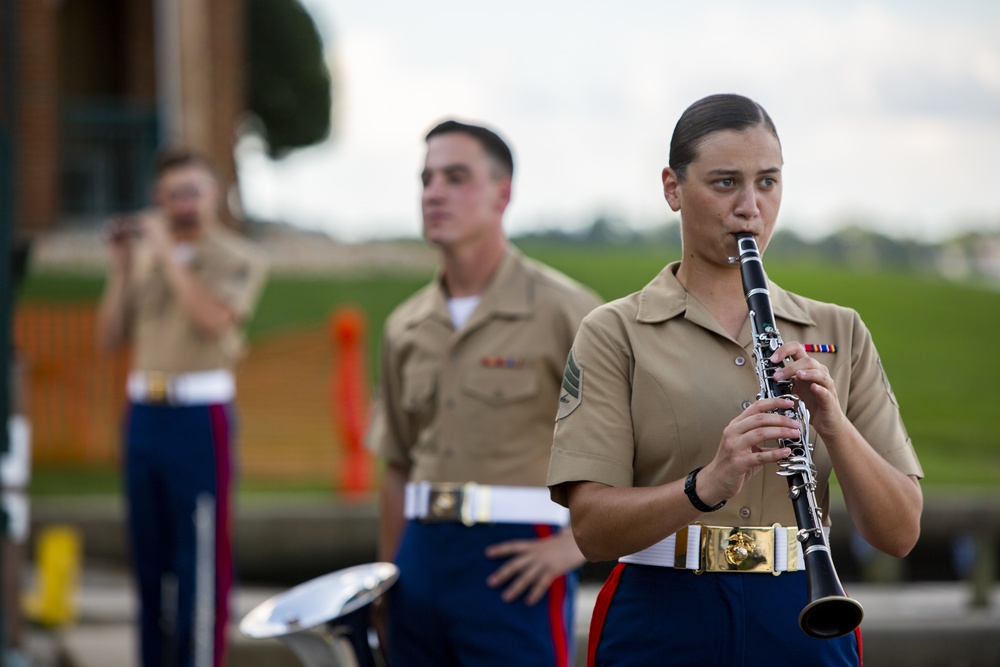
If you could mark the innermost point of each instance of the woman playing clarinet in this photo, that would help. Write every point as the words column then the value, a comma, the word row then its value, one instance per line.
column 674, row 462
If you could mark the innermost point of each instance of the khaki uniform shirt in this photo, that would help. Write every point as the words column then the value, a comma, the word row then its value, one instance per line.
column 164, row 338
column 655, row 380
column 477, row 404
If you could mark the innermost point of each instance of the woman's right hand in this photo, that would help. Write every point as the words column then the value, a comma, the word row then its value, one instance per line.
column 748, row 443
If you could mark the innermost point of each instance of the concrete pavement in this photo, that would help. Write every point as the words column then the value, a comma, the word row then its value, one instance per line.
column 289, row 541
column 925, row 624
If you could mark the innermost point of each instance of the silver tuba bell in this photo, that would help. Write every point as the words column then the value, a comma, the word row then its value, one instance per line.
column 324, row 621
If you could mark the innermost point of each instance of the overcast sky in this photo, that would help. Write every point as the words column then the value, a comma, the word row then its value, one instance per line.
column 888, row 110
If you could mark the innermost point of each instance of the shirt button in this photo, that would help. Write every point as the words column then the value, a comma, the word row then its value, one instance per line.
column 740, row 361
column 449, row 403
column 746, row 404
column 745, row 512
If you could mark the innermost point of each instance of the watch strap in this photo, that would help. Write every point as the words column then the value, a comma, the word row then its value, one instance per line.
column 692, row 494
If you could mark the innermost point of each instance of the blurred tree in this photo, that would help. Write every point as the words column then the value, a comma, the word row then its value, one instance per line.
column 609, row 229
column 289, row 86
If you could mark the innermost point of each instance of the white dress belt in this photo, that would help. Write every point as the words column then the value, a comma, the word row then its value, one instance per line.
column 480, row 503
column 784, row 553
column 196, row 388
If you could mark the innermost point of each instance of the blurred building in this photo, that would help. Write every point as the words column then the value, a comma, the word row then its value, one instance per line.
column 91, row 88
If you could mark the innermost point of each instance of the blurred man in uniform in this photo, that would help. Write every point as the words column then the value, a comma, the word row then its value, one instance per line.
column 471, row 370
column 179, row 288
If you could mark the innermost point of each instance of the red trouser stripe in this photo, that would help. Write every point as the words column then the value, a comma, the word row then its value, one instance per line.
column 861, row 654
column 223, row 536
column 557, row 606
column 857, row 637
column 601, row 612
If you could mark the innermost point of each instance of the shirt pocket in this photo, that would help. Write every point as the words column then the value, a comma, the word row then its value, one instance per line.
column 418, row 389
column 501, row 386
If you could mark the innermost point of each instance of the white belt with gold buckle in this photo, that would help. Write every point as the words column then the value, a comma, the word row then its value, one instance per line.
column 481, row 503
column 196, row 388
column 769, row 549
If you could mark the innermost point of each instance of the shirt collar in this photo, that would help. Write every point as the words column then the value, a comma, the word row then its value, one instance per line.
column 665, row 298
column 508, row 294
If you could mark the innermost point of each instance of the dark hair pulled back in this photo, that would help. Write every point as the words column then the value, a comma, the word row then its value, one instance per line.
column 710, row 114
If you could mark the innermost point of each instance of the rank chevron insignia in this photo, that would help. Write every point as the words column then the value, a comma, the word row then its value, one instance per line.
column 572, row 387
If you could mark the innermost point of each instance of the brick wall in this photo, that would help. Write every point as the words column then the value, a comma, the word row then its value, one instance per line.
column 213, row 108
column 36, row 142
column 212, row 89
column 229, row 81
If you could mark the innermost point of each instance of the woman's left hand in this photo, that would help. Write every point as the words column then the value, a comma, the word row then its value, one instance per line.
column 812, row 382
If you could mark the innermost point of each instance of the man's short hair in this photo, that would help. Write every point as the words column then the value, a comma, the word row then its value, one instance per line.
column 178, row 157
column 491, row 142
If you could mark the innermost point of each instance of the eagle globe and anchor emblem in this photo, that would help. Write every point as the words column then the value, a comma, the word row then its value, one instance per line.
column 739, row 549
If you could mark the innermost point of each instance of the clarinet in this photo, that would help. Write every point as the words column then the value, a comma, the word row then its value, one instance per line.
column 829, row 613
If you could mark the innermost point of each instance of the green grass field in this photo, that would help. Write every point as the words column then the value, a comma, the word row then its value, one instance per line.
column 936, row 337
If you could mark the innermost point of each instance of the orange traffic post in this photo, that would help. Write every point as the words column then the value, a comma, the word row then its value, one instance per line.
column 349, row 397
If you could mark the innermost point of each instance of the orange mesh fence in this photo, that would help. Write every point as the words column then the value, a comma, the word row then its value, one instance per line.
column 74, row 395
column 285, row 430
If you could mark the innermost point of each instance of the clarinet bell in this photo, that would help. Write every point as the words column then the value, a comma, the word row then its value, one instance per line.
column 831, row 616
column 829, row 613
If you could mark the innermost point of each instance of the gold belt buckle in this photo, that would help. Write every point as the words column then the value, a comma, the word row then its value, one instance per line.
column 453, row 502
column 156, row 387
column 444, row 503
column 737, row 549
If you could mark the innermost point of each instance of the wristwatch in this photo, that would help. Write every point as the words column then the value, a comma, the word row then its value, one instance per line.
column 693, row 495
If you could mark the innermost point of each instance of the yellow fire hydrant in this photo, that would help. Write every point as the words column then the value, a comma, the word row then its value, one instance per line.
column 54, row 600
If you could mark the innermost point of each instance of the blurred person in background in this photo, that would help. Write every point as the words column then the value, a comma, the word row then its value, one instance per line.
column 179, row 288
column 471, row 368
